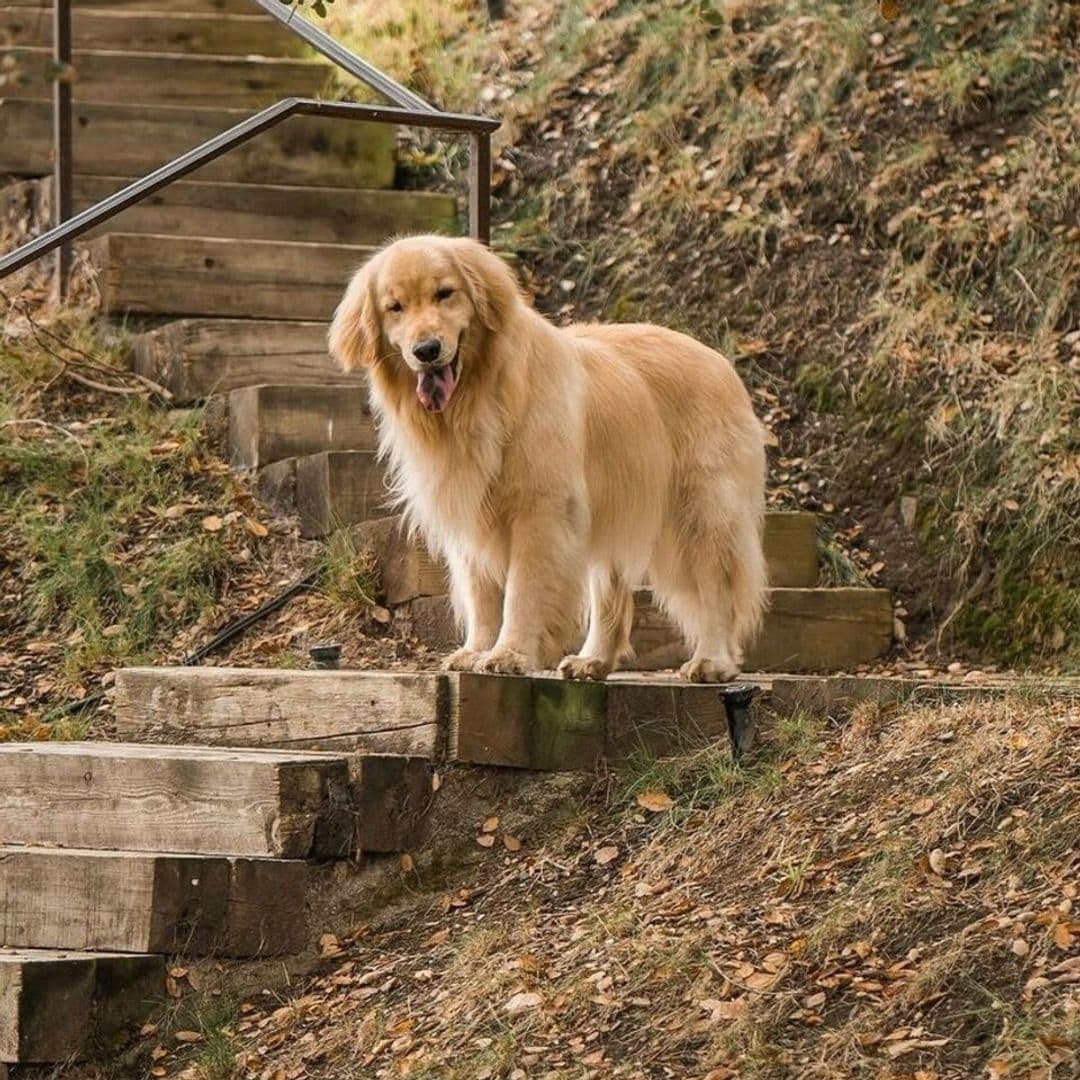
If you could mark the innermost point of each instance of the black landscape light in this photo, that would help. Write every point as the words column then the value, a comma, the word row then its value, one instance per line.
column 325, row 656
column 741, row 724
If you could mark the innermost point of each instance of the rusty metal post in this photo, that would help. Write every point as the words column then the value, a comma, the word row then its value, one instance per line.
column 62, row 202
column 480, row 186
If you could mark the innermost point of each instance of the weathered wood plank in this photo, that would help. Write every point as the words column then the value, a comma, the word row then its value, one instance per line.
column 367, row 712
column 56, row 1005
column 62, row 898
column 395, row 798
column 104, row 76
column 182, row 799
column 338, row 488
column 805, row 630
column 194, row 358
column 404, row 567
column 269, row 423
column 165, row 31
column 548, row 723
column 230, row 6
column 190, row 275
column 790, row 542
column 130, row 140
column 305, row 214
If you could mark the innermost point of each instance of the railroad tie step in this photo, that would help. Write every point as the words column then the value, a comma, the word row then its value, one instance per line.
column 151, row 902
column 301, row 213
column 184, row 799
column 118, row 75
column 271, row 423
column 194, row 32
column 130, row 140
column 56, row 1005
column 148, row 274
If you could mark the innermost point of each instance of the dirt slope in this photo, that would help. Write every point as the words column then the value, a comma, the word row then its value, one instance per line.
column 894, row 897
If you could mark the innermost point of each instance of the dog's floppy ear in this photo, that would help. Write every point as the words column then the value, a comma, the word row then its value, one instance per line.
column 490, row 283
column 355, row 336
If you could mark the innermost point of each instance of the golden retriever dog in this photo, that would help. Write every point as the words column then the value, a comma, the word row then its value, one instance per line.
column 556, row 469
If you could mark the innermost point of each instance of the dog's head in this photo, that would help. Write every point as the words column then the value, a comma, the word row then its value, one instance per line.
column 420, row 310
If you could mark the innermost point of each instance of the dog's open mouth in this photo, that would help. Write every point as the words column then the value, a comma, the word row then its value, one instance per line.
column 434, row 388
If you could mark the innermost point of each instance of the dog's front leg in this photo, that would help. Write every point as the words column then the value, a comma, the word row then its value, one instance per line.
column 543, row 599
column 478, row 602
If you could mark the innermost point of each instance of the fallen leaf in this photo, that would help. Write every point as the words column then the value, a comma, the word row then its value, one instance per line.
column 655, row 802
column 938, row 862
column 1063, row 937
column 490, row 824
column 440, row 937
column 188, row 1036
column 922, row 806
column 407, row 863
column 212, row 523
column 486, row 840
column 1020, row 947
column 329, row 944
column 606, row 855
column 520, row 1003
column 158, row 1053
column 511, row 843
column 256, row 528
column 178, row 972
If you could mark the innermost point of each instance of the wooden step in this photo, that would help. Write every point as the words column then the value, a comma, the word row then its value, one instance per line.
column 539, row 722
column 307, row 214
column 194, row 358
column 130, row 140
column 237, row 7
column 360, row 712
column 407, row 570
column 57, row 1005
column 129, row 901
column 164, row 31
column 233, row 82
column 269, row 423
column 192, row 275
column 327, row 490
column 134, row 797
column 805, row 630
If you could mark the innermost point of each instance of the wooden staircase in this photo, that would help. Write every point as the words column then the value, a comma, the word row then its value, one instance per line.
column 194, row 838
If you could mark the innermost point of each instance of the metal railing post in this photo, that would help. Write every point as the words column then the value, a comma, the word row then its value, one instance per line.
column 62, row 202
column 480, row 186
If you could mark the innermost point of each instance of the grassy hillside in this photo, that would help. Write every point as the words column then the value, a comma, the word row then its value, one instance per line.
column 882, row 220
column 891, row 899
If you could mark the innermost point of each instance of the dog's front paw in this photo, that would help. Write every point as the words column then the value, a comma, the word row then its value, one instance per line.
column 462, row 660
column 704, row 669
column 502, row 661
column 585, row 667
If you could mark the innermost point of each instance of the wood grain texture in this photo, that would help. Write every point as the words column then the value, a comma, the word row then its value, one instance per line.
column 790, row 543
column 196, row 905
column 130, row 140
column 194, row 358
column 395, row 798
column 168, row 31
column 269, row 423
column 111, row 75
column 339, row 488
column 805, row 630
column 403, row 565
column 305, row 214
column 181, row 799
column 368, row 712
column 57, row 1005
column 190, row 275
column 549, row 723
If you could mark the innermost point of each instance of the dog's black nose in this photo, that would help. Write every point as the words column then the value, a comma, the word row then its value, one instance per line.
column 427, row 351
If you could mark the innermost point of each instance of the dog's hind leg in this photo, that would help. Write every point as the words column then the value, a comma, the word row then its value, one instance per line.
column 611, row 613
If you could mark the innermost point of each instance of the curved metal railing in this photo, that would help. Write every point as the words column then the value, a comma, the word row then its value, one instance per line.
column 409, row 108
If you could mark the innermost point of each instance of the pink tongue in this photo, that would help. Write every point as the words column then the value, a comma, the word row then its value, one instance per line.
column 434, row 388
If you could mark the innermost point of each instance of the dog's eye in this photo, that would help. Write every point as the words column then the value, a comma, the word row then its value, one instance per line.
column 444, row 294
column 394, row 305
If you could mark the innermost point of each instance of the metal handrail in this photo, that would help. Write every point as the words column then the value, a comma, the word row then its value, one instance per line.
column 411, row 109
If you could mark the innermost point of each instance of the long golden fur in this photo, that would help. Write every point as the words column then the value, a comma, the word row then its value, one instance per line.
column 556, row 469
